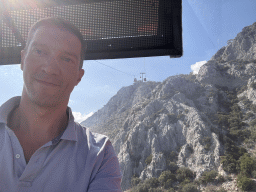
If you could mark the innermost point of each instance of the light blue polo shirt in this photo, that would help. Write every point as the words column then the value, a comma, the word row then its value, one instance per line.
column 77, row 160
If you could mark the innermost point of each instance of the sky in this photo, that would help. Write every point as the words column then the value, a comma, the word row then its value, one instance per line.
column 207, row 26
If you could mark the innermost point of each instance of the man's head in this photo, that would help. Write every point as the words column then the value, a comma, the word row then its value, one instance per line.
column 51, row 62
column 60, row 23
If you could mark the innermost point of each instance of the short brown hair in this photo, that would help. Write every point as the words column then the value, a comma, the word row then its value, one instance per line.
column 61, row 23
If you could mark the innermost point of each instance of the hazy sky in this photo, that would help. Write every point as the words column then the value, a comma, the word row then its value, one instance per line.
column 207, row 26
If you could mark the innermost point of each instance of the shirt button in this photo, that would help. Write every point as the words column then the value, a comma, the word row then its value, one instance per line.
column 17, row 156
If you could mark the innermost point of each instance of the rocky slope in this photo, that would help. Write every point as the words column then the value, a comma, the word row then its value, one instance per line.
column 148, row 122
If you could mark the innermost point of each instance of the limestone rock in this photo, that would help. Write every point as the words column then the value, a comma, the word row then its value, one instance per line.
column 162, row 121
column 243, row 47
column 149, row 121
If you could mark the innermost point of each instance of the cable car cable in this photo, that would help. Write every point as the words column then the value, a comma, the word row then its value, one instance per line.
column 114, row 68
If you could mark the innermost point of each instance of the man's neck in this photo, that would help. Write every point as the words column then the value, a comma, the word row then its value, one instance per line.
column 37, row 122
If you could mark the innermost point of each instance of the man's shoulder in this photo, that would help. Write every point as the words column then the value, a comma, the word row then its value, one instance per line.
column 92, row 138
column 7, row 107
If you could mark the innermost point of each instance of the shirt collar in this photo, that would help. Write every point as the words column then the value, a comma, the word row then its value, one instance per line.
column 7, row 107
column 69, row 133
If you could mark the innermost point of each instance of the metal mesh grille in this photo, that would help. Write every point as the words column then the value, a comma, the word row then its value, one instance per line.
column 97, row 21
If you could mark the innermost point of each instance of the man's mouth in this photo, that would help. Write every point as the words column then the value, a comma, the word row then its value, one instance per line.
column 48, row 83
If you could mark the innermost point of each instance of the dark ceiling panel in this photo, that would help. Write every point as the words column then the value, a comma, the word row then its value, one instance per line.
column 111, row 28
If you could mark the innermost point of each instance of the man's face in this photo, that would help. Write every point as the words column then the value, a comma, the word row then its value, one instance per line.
column 50, row 66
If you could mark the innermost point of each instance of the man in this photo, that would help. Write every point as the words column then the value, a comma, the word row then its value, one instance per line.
column 41, row 147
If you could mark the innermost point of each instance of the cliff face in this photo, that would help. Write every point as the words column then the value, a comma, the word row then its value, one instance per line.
column 149, row 122
column 243, row 47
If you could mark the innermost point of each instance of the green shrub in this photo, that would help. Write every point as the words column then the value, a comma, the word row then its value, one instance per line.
column 166, row 175
column 185, row 181
column 247, row 164
column 232, row 168
column 253, row 123
column 232, row 151
column 213, row 188
column 223, row 119
column 135, row 181
column 190, row 187
column 170, row 190
column 247, row 103
column 173, row 167
column 253, row 133
column 236, row 109
column 236, row 133
column 245, row 183
column 248, row 115
column 149, row 159
column 221, row 179
column 168, row 184
column 208, row 176
column 228, row 178
column 183, row 173
column 254, row 174
column 207, row 143
column 152, row 182
column 172, row 156
column 245, row 134
column 141, row 187
column 155, row 190
column 241, row 151
column 229, row 164
column 250, row 142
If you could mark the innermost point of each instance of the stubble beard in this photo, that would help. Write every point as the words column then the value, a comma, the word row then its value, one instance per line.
column 44, row 100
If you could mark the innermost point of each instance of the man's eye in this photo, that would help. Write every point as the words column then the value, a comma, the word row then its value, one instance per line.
column 66, row 59
column 38, row 51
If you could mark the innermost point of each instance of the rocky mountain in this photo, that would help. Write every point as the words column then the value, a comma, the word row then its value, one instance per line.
column 181, row 118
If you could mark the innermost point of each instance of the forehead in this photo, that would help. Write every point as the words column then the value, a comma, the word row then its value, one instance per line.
column 56, row 38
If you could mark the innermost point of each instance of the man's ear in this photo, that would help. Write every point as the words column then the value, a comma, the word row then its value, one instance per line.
column 22, row 54
column 80, row 75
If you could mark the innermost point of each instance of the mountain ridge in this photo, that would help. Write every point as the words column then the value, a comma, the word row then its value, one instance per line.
column 181, row 115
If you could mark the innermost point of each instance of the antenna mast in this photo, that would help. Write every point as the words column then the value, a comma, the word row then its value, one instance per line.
column 143, row 80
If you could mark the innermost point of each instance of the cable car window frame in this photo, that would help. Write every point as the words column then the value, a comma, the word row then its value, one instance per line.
column 168, row 38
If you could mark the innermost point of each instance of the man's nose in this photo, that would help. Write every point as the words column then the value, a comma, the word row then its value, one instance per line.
column 51, row 67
